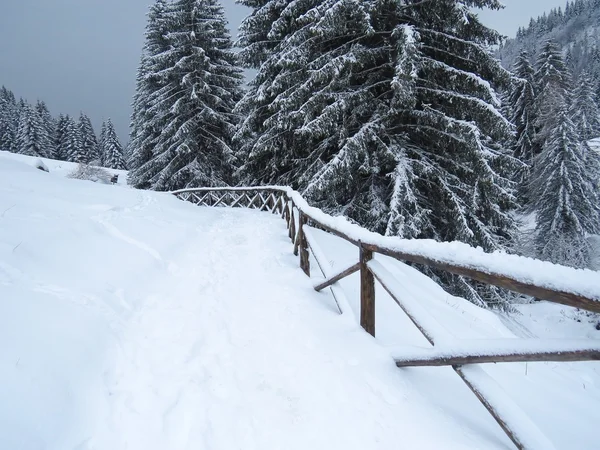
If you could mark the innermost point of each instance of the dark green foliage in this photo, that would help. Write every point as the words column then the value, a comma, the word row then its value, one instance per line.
column 381, row 111
column 192, row 87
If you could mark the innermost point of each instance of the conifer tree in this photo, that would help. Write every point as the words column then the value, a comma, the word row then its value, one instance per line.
column 191, row 116
column 584, row 111
column 552, row 79
column 31, row 135
column 567, row 203
column 146, row 123
column 111, row 148
column 9, row 120
column 69, row 146
column 101, row 142
column 49, row 126
column 89, row 143
column 383, row 111
column 522, row 101
column 59, row 138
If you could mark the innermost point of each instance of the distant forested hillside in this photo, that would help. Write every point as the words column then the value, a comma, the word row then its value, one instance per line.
column 577, row 31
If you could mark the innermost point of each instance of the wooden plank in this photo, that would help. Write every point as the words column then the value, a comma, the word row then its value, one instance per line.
column 221, row 199
column 424, row 323
column 497, row 351
column 251, row 204
column 564, row 298
column 282, row 203
column 511, row 418
column 240, row 197
column 367, row 292
column 325, row 267
column 337, row 277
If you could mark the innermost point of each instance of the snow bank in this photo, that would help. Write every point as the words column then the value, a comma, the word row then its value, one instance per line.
column 60, row 168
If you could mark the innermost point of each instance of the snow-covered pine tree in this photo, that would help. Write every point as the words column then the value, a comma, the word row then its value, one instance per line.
column 317, row 81
column 59, row 138
column 552, row 80
column 69, row 146
column 194, row 109
column 419, row 154
column 49, row 125
column 146, row 123
column 101, row 141
column 31, row 135
column 522, row 102
column 267, row 148
column 567, row 203
column 111, row 148
column 9, row 120
column 89, row 143
column 584, row 110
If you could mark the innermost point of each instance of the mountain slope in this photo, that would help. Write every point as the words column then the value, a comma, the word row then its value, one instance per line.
column 576, row 29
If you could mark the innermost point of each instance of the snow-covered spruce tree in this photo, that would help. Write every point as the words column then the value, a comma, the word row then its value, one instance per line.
column 89, row 143
column 146, row 125
column 584, row 109
column 9, row 120
column 567, row 204
column 268, row 150
column 402, row 128
column 111, row 148
column 69, row 146
column 49, row 125
column 194, row 109
column 522, row 103
column 552, row 80
column 59, row 138
column 321, row 74
column 101, row 141
column 31, row 135
column 452, row 183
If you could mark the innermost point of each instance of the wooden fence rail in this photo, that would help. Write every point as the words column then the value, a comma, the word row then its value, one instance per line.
column 301, row 219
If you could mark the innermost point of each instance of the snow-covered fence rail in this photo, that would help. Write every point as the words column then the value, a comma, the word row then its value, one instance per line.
column 576, row 288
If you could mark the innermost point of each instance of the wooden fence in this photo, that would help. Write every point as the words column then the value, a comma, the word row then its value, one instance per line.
column 301, row 221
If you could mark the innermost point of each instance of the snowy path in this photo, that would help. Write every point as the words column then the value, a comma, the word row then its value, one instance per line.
column 233, row 349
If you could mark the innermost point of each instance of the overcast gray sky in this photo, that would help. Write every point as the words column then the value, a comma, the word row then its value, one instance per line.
column 83, row 54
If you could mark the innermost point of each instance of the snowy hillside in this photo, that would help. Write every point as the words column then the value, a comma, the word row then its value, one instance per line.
column 60, row 168
column 132, row 320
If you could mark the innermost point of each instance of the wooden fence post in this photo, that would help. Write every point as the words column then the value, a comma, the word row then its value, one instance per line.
column 293, row 226
column 303, row 245
column 367, row 292
column 286, row 213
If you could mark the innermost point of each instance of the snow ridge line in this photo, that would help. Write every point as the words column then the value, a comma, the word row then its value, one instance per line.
column 518, row 273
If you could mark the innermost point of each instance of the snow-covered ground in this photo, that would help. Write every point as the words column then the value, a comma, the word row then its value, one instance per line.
column 62, row 168
column 132, row 320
